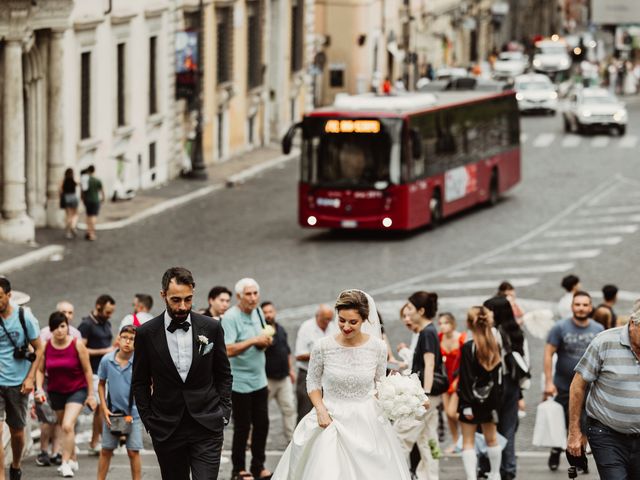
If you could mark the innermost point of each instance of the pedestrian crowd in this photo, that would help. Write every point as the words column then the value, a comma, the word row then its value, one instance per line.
column 475, row 375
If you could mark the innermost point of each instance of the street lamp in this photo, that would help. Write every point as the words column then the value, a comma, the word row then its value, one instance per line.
column 198, row 168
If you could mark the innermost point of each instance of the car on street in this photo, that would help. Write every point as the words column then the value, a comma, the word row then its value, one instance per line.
column 510, row 65
column 446, row 73
column 536, row 93
column 591, row 109
column 551, row 57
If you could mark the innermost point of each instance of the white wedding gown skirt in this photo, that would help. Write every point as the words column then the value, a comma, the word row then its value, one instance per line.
column 358, row 445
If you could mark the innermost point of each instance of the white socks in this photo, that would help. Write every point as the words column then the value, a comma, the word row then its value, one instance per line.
column 495, row 457
column 470, row 462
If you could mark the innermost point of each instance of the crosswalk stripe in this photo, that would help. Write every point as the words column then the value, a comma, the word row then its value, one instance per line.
column 471, row 285
column 541, row 257
column 604, row 210
column 628, row 141
column 600, row 142
column 521, row 270
column 579, row 242
column 571, row 141
column 544, row 140
column 599, row 219
column 575, row 232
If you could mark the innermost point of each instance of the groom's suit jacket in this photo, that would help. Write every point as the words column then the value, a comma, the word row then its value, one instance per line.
column 160, row 394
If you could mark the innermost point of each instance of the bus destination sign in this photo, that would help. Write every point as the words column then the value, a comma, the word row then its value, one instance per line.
column 352, row 126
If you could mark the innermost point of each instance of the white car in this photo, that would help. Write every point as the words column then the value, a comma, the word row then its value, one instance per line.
column 510, row 65
column 535, row 92
column 594, row 109
column 551, row 57
column 446, row 73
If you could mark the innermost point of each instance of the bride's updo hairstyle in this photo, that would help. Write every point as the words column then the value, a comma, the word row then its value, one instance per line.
column 353, row 300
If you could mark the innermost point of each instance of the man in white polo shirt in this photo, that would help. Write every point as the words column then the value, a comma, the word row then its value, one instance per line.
column 310, row 331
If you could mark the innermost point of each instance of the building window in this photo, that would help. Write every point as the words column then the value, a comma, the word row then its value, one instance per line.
column 254, row 43
column 297, row 36
column 153, row 75
column 121, row 85
column 85, row 95
column 224, row 21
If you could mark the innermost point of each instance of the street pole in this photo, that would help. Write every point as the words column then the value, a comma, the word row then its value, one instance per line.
column 198, row 168
column 406, row 40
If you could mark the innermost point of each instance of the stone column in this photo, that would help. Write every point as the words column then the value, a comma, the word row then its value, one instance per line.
column 55, row 139
column 16, row 226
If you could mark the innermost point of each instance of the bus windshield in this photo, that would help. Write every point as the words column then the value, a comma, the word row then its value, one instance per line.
column 346, row 158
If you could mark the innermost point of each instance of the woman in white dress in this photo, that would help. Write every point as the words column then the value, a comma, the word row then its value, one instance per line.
column 345, row 436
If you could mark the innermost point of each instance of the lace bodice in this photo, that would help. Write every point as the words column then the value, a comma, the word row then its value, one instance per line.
column 346, row 372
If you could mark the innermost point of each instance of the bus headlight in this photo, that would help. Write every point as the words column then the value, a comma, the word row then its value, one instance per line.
column 519, row 96
column 387, row 222
column 620, row 116
column 312, row 221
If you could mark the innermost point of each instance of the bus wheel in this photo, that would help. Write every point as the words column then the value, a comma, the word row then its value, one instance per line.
column 435, row 207
column 494, row 191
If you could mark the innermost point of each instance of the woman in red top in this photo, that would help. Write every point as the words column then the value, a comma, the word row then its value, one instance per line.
column 451, row 342
column 69, row 384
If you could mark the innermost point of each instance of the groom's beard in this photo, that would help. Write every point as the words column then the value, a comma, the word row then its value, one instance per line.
column 177, row 315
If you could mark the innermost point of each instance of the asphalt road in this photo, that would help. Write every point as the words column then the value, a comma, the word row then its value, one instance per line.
column 576, row 210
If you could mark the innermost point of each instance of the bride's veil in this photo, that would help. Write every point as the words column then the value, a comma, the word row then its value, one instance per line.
column 373, row 326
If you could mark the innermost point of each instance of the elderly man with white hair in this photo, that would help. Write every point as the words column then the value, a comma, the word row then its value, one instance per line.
column 611, row 365
column 246, row 339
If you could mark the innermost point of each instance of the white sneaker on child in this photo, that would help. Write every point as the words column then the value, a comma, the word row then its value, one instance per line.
column 65, row 470
column 74, row 465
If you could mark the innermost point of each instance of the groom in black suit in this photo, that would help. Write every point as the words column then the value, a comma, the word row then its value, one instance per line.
column 182, row 383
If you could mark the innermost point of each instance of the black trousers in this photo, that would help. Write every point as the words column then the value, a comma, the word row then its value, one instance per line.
column 304, row 403
column 250, row 410
column 193, row 449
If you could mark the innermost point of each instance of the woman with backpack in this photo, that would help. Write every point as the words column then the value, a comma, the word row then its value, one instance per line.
column 515, row 364
column 479, row 391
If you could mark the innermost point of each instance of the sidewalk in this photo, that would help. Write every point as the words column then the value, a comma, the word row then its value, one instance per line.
column 147, row 203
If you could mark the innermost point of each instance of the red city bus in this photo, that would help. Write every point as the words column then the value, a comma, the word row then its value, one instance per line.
column 399, row 162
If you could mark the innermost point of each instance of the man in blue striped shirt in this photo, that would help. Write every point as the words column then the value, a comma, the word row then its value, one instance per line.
column 611, row 365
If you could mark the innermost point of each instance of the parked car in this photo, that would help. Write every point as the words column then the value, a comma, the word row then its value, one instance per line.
column 591, row 109
column 510, row 64
column 535, row 92
column 551, row 57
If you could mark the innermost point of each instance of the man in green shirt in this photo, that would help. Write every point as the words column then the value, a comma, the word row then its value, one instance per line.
column 92, row 195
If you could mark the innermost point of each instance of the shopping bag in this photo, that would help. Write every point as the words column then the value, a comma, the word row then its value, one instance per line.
column 550, row 429
column 45, row 413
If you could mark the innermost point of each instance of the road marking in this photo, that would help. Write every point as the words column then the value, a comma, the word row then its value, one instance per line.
column 628, row 141
column 600, row 142
column 543, row 257
column 574, row 232
column 544, row 140
column 471, row 285
column 523, row 270
column 631, row 219
column 571, row 141
column 580, row 242
column 602, row 210
column 595, row 193
column 523, row 137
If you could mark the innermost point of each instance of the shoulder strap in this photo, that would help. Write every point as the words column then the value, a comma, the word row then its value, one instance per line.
column 136, row 322
column 260, row 317
column 24, row 326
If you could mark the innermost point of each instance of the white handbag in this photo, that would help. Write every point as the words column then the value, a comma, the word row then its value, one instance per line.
column 550, row 429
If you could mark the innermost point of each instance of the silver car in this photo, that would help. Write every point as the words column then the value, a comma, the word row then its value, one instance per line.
column 510, row 65
column 591, row 109
column 535, row 92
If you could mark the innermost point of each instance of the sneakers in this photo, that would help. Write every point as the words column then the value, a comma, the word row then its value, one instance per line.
column 93, row 451
column 74, row 465
column 554, row 459
column 42, row 460
column 65, row 470
column 15, row 473
column 55, row 459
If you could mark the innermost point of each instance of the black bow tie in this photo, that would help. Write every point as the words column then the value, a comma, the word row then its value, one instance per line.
column 173, row 326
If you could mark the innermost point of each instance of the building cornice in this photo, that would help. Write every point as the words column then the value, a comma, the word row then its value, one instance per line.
column 155, row 10
column 120, row 17
column 87, row 23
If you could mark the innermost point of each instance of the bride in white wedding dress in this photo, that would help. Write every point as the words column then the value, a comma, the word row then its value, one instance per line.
column 345, row 436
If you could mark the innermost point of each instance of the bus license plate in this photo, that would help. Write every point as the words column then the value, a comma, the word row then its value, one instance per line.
column 349, row 224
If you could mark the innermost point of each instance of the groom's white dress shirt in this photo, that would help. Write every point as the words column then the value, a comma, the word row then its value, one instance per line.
column 180, row 346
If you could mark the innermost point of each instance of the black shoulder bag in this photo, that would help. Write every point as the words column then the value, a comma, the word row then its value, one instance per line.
column 23, row 352
column 121, row 422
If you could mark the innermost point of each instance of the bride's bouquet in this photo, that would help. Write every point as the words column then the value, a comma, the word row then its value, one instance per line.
column 401, row 396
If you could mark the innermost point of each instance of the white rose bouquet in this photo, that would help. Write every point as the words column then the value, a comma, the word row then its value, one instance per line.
column 401, row 396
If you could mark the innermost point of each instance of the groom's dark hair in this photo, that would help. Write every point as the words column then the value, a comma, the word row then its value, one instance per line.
column 181, row 275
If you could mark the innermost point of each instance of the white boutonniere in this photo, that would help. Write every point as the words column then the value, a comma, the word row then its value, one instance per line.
column 204, row 345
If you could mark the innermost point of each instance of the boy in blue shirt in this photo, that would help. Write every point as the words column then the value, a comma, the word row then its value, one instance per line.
column 115, row 375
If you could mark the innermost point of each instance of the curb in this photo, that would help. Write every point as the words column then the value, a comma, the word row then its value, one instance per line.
column 31, row 258
column 161, row 207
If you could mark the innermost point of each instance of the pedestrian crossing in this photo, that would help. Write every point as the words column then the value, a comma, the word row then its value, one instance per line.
column 589, row 228
column 546, row 140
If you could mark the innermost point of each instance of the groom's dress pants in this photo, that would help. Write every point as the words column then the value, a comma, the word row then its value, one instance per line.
column 191, row 449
